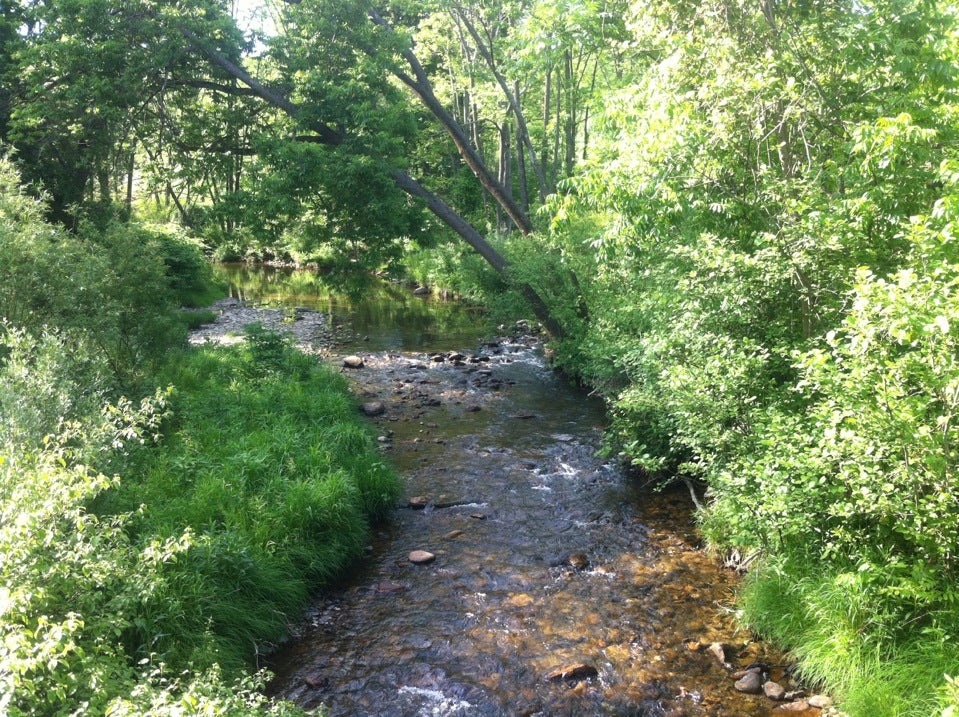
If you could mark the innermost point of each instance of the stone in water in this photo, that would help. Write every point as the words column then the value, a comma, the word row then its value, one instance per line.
column 421, row 557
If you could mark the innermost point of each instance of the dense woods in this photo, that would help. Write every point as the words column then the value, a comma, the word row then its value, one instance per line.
column 735, row 218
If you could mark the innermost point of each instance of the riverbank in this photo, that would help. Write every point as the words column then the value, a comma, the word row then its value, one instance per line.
column 542, row 559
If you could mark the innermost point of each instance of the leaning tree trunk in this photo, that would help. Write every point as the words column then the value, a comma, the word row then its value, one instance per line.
column 445, row 213
column 421, row 86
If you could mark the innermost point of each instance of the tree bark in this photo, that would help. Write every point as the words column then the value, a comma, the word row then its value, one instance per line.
column 505, row 174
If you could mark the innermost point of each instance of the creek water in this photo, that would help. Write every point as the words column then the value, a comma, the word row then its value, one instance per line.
column 547, row 556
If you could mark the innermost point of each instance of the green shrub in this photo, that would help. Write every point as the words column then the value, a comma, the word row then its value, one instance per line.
column 188, row 271
column 109, row 285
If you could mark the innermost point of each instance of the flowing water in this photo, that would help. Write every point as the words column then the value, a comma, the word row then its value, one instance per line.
column 547, row 557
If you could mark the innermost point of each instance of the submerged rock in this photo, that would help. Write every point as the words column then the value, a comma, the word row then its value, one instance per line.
column 373, row 408
column 315, row 681
column 580, row 671
column 799, row 707
column 421, row 557
column 751, row 683
column 418, row 502
column 721, row 652
column 774, row 691
column 577, row 561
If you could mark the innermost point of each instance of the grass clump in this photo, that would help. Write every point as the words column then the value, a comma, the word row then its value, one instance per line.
column 268, row 470
column 828, row 620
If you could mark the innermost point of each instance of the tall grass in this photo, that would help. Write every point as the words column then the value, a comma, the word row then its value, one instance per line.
column 829, row 622
column 266, row 466
column 151, row 552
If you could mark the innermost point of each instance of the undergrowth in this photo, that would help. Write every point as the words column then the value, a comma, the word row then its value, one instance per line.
column 828, row 621
column 153, row 551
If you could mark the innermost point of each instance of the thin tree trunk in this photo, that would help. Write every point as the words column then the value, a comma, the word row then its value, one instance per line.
column 547, row 106
column 131, row 165
column 522, row 133
column 557, row 127
column 570, row 128
column 521, row 167
column 505, row 175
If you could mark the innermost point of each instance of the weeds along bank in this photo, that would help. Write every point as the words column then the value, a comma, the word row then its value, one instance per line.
column 161, row 510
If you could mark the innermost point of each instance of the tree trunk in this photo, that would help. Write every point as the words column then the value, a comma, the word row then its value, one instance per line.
column 505, row 173
column 437, row 206
column 131, row 165
column 547, row 106
column 570, row 123
column 474, row 239
column 521, row 167
column 421, row 86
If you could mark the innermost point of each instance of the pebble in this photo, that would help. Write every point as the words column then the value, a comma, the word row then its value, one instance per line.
column 353, row 362
column 316, row 681
column 421, row 557
column 578, row 561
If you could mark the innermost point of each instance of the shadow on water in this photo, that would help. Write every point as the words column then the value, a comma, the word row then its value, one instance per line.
column 546, row 556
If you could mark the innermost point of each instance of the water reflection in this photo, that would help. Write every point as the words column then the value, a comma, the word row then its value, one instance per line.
column 373, row 315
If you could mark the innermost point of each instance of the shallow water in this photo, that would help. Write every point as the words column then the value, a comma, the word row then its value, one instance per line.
column 547, row 557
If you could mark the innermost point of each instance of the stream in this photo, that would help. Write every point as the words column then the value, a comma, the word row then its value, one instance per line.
column 558, row 585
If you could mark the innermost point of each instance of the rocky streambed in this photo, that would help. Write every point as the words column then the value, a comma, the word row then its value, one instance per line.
column 521, row 574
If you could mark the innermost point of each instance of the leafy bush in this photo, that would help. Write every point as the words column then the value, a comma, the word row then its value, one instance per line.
column 772, row 312
column 188, row 271
column 866, row 478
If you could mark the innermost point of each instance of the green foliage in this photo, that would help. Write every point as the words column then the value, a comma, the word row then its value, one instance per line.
column 826, row 617
column 187, row 269
column 47, row 383
column 266, row 467
column 234, row 498
column 74, row 584
column 868, row 472
column 147, row 546
column 772, row 310
column 112, row 288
